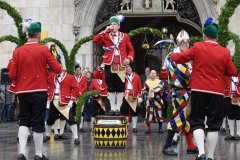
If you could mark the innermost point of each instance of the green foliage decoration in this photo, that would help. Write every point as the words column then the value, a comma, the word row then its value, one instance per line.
column 18, row 20
column 75, row 50
column 81, row 102
column 225, row 35
column 9, row 38
column 61, row 46
column 148, row 31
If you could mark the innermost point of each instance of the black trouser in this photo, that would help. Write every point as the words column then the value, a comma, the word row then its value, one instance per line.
column 206, row 104
column 113, row 81
column 233, row 111
column 54, row 114
column 96, row 108
column 32, row 110
column 126, row 108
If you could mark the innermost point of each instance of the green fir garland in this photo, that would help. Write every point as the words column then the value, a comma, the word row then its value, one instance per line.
column 10, row 38
column 61, row 46
column 81, row 102
column 225, row 35
column 18, row 20
column 74, row 51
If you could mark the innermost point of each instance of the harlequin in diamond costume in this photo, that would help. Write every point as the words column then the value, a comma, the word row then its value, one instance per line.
column 179, row 81
column 154, row 87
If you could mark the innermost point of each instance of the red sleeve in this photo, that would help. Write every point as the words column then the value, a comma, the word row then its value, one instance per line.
column 97, row 74
column 53, row 64
column 130, row 50
column 139, row 86
column 75, row 89
column 231, row 69
column 184, row 57
column 98, row 39
column 83, row 86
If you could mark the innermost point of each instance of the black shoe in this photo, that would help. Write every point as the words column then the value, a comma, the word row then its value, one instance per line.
column 169, row 151
column 202, row 157
column 148, row 131
column 192, row 150
column 56, row 137
column 45, row 139
column 21, row 157
column 36, row 157
column 62, row 136
column 209, row 159
column 81, row 130
column 135, row 130
column 76, row 141
column 229, row 138
column 160, row 131
column 222, row 130
column 117, row 113
column 110, row 113
column 174, row 143
column 237, row 137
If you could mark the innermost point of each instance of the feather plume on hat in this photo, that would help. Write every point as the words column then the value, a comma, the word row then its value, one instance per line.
column 26, row 24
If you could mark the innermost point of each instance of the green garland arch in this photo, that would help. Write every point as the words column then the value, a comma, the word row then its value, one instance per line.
column 60, row 45
column 18, row 20
column 225, row 35
column 81, row 102
column 9, row 38
column 74, row 51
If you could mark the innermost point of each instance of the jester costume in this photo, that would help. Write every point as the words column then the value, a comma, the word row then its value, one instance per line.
column 179, row 81
column 154, row 103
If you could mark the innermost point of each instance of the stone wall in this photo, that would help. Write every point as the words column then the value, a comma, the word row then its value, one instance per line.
column 59, row 17
column 56, row 16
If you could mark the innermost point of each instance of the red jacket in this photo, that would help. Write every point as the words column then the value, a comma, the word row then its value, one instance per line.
column 100, row 74
column 28, row 69
column 68, row 88
column 82, row 84
column 211, row 63
column 125, row 47
column 228, row 86
column 163, row 74
column 136, row 85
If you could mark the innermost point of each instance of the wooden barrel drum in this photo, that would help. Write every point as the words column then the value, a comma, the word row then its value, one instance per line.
column 110, row 132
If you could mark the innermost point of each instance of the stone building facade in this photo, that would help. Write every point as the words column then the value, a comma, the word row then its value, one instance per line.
column 70, row 20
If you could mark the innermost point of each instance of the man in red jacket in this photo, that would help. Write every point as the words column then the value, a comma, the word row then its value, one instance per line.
column 82, row 84
column 62, row 92
column 211, row 63
column 133, row 96
column 118, row 53
column 28, row 73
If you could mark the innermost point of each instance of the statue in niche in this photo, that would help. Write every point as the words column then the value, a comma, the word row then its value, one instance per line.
column 125, row 3
column 147, row 4
column 171, row 3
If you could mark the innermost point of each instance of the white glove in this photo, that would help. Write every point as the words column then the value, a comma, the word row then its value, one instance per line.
column 70, row 104
column 140, row 100
column 48, row 105
column 102, row 65
column 235, row 80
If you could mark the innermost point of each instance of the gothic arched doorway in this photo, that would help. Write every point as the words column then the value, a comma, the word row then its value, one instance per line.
column 182, row 18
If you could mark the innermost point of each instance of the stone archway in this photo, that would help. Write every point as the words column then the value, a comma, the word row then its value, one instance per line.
column 86, row 16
